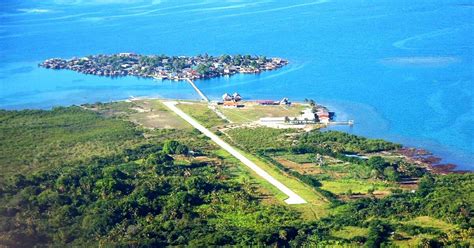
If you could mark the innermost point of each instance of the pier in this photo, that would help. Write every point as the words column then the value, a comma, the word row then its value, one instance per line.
column 349, row 123
column 204, row 97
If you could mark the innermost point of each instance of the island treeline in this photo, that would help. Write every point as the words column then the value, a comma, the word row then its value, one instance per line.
column 166, row 67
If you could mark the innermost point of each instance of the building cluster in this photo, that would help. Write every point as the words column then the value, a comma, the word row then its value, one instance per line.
column 312, row 115
column 322, row 114
column 233, row 100
column 166, row 67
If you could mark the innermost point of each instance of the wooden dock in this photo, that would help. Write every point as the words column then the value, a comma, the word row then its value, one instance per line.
column 349, row 122
column 204, row 97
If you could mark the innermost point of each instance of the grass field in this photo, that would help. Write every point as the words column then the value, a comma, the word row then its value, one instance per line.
column 336, row 177
column 430, row 222
column 300, row 158
column 258, row 138
column 244, row 174
column 147, row 113
column 350, row 232
column 318, row 205
column 31, row 140
column 153, row 114
column 341, row 186
column 201, row 113
column 253, row 112
column 423, row 222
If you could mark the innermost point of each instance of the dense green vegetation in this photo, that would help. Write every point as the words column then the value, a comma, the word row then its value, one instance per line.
column 136, row 193
column 382, row 217
column 342, row 145
column 446, row 197
column 153, row 203
column 330, row 141
column 33, row 139
column 347, row 143
column 333, row 144
column 449, row 198
column 168, row 188
column 176, row 63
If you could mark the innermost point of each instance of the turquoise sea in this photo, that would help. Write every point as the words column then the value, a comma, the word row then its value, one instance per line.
column 402, row 69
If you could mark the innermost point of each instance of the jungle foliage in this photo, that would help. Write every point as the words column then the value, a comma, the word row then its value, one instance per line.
column 72, row 177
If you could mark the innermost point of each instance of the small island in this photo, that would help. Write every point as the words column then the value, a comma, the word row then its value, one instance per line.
column 166, row 67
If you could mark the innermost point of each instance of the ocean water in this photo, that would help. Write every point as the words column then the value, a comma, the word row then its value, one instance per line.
column 401, row 69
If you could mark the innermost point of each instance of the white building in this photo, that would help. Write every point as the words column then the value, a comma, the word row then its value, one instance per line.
column 227, row 97
column 308, row 114
column 236, row 97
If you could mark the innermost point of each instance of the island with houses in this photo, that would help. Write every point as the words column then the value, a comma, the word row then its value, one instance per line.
column 166, row 67
column 198, row 67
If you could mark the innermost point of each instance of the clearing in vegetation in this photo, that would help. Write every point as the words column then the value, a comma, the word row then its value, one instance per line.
column 253, row 112
column 201, row 113
column 317, row 202
column 148, row 113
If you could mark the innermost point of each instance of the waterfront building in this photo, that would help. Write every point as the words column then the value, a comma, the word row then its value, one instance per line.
column 236, row 97
column 227, row 97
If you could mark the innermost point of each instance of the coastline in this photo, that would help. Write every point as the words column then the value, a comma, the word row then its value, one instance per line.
column 376, row 126
column 164, row 67
column 97, row 153
column 428, row 159
column 90, row 89
column 440, row 163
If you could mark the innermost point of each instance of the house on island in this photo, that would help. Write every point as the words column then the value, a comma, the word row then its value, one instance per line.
column 126, row 54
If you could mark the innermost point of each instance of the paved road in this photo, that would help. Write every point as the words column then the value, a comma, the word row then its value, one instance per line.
column 293, row 198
